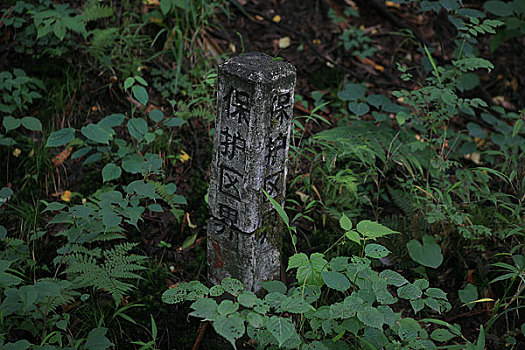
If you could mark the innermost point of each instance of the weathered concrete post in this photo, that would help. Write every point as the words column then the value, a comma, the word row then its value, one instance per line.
column 250, row 151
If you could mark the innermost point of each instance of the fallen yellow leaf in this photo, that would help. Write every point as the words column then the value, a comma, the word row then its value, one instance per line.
column 284, row 42
column 276, row 18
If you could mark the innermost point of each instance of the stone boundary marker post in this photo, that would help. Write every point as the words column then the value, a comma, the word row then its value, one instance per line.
column 250, row 151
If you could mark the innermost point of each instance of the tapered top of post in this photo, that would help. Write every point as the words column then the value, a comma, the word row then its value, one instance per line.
column 258, row 68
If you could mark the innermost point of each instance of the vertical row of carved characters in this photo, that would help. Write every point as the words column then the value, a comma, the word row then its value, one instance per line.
column 232, row 135
column 280, row 119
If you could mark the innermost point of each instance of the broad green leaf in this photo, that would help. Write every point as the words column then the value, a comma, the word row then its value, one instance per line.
column 165, row 6
column 371, row 317
column 173, row 122
column 138, row 128
column 232, row 286
column 6, row 192
column 227, row 307
column 156, row 115
column 426, row 254
column 31, row 123
column 297, row 305
column 110, row 172
column 281, row 328
column 60, row 137
column 370, row 229
column 353, row 236
column 247, row 298
column 352, row 92
column 468, row 294
column 55, row 206
column 436, row 293
column 230, row 327
column 449, row 5
column 205, row 308
column 111, row 219
column 129, row 82
column 376, row 251
column 97, row 340
column 345, row 223
column 335, row 280
column 95, row 133
column 216, row 290
column 80, row 211
column 308, row 269
column 254, row 319
column 157, row 208
column 498, row 8
column 111, row 121
column 140, row 93
column 393, row 278
column 358, row 109
column 274, row 286
column 409, row 291
column 441, row 335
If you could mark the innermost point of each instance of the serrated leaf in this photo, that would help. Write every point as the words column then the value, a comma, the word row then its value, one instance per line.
column 111, row 219
column 345, row 223
column 110, row 172
column 281, row 328
column 436, row 293
column 111, row 121
column 371, row 317
column 247, row 298
column 393, row 278
column 297, row 305
column 274, row 286
column 376, row 251
column 370, row 229
column 227, row 307
column 138, row 128
column 204, row 308
column 335, row 280
column 31, row 123
column 95, row 133
column 230, row 327
column 409, row 291
column 216, row 291
column 353, row 236
column 60, row 137
column 232, row 286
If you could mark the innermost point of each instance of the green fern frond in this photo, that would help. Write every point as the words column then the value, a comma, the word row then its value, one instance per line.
column 173, row 200
column 107, row 274
column 95, row 11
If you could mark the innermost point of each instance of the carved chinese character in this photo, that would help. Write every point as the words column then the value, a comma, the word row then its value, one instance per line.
column 228, row 214
column 230, row 182
column 280, row 104
column 273, row 184
column 231, row 143
column 275, row 146
column 241, row 103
